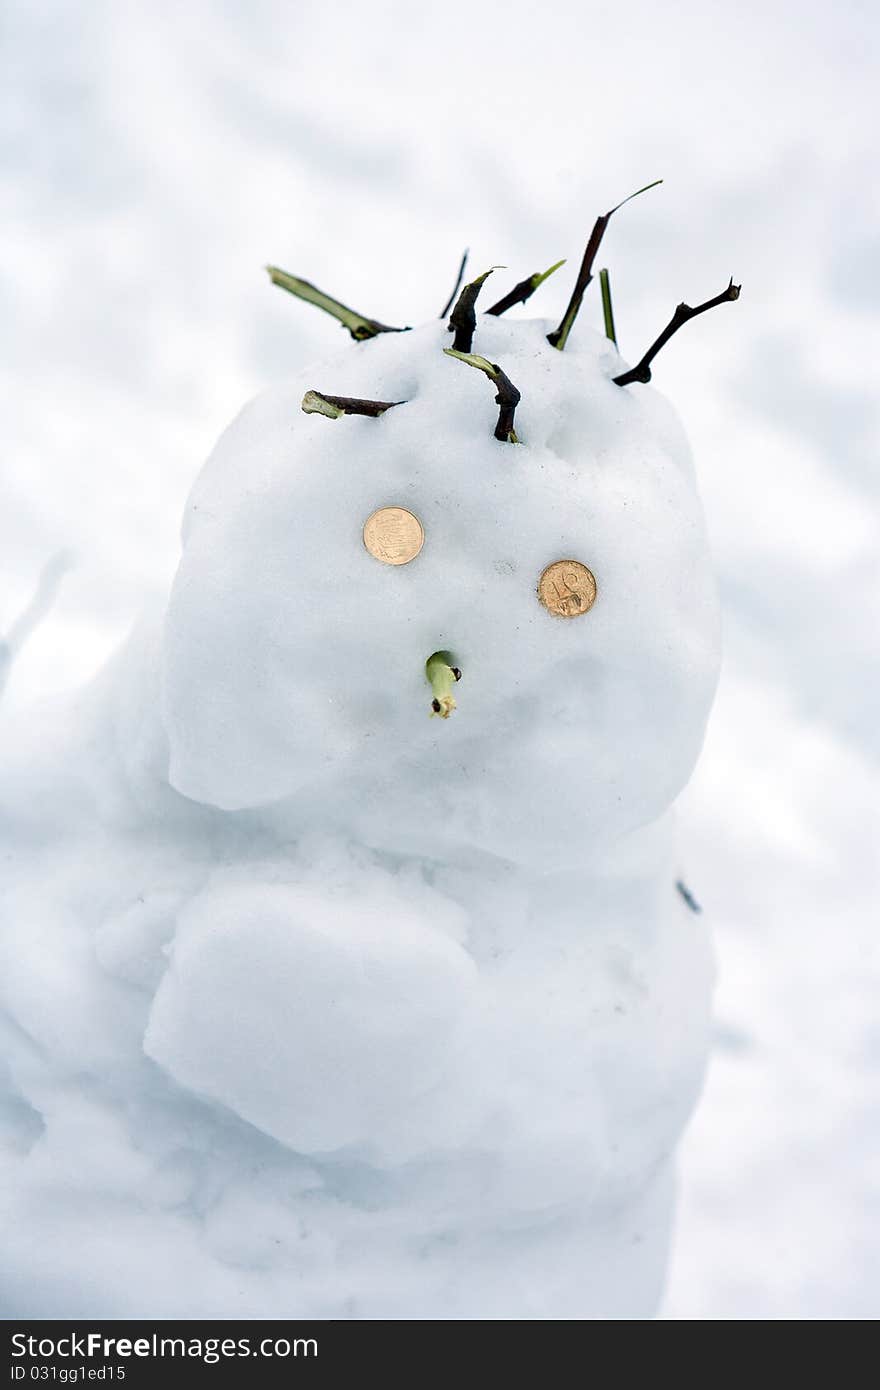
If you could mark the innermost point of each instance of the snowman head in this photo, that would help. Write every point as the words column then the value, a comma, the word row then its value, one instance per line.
column 296, row 638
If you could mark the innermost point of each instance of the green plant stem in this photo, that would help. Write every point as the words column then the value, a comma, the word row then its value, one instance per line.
column 523, row 291
column 442, row 675
column 559, row 337
column 358, row 326
column 607, row 310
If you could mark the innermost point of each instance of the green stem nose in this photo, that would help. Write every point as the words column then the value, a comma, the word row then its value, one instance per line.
column 442, row 673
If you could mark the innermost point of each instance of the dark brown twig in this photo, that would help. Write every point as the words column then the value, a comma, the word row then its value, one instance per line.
column 463, row 319
column 358, row 326
column 523, row 291
column 688, row 897
column 559, row 337
column 448, row 305
column 318, row 403
column 508, row 397
column 642, row 370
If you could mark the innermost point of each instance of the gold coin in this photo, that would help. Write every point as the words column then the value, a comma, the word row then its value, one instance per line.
column 393, row 535
column 567, row 589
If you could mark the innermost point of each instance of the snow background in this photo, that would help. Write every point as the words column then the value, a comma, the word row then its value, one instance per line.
column 158, row 156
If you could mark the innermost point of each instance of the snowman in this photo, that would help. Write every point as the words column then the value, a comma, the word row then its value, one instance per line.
column 372, row 977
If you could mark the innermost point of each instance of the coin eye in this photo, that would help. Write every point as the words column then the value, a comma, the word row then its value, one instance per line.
column 567, row 589
column 393, row 535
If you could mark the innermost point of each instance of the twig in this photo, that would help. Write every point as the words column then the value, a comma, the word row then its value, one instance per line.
column 607, row 310
column 523, row 291
column 688, row 897
column 642, row 370
column 463, row 319
column 319, row 403
column 508, row 397
column 358, row 326
column 559, row 337
column 448, row 305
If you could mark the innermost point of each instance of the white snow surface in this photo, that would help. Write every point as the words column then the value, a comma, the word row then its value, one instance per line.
column 312, row 1004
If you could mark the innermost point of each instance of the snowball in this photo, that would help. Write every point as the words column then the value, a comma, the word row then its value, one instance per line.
column 319, row 1019
column 294, row 660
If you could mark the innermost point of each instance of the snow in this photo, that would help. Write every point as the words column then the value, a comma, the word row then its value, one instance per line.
column 314, row 1004
column 159, row 156
column 322, row 1018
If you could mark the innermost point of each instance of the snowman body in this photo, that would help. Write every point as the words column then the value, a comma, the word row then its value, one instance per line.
column 432, row 975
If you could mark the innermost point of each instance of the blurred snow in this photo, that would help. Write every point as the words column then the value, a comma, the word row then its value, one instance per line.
column 157, row 156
